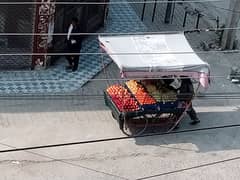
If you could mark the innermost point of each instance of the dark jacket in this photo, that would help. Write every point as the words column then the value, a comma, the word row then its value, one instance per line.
column 186, row 91
column 74, row 47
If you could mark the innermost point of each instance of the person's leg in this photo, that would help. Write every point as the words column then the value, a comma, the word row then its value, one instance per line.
column 70, row 62
column 193, row 115
column 76, row 49
column 75, row 63
column 69, row 58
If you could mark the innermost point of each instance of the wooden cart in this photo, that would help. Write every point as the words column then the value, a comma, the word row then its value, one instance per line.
column 154, row 56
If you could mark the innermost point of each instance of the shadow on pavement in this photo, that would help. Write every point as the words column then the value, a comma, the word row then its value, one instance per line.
column 200, row 141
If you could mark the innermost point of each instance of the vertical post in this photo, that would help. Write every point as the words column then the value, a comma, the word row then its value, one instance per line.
column 198, row 18
column 185, row 18
column 105, row 12
column 168, row 12
column 154, row 10
column 143, row 10
column 173, row 11
column 221, row 37
column 217, row 22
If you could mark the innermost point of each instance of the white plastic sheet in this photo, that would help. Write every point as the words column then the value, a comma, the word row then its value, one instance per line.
column 133, row 53
column 154, row 55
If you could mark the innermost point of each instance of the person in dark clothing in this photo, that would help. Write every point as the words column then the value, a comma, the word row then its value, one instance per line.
column 186, row 92
column 74, row 43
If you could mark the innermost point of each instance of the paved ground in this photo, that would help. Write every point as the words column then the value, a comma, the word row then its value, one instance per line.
column 39, row 121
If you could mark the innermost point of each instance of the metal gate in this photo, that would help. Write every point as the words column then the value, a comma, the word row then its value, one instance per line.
column 16, row 19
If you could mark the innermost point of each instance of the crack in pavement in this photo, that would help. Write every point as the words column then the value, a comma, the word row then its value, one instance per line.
column 93, row 157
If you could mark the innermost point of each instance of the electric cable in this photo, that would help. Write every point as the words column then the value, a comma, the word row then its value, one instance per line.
column 212, row 77
column 117, row 138
column 218, row 94
column 122, row 33
column 30, row 96
column 123, row 53
column 109, row 3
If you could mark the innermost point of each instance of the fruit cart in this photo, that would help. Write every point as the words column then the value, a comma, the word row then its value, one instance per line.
column 153, row 68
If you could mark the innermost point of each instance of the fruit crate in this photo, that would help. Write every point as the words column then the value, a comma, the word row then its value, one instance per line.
column 120, row 115
column 145, row 107
column 158, row 107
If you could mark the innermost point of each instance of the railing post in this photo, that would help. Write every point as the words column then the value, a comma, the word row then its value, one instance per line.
column 154, row 10
column 185, row 18
column 168, row 12
column 143, row 10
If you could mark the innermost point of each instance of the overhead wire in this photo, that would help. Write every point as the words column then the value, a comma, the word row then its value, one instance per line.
column 117, row 138
column 107, row 2
column 210, row 29
column 30, row 96
column 38, row 79
column 123, row 79
column 121, row 53
column 100, row 95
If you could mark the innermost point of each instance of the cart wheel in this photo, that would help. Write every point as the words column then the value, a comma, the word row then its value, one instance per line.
column 130, row 129
column 121, row 124
column 114, row 116
column 126, row 128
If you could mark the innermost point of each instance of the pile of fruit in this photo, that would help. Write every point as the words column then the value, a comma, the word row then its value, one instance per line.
column 140, row 93
column 161, row 95
column 122, row 98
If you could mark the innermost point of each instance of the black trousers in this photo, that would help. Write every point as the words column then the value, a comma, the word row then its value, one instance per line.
column 192, row 113
column 73, row 60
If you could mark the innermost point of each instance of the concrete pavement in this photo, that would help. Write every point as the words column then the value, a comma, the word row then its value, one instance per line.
column 28, row 122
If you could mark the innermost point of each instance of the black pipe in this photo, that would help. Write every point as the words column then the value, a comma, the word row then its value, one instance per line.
column 168, row 12
column 185, row 18
column 143, row 10
column 198, row 19
column 173, row 11
column 154, row 10
column 221, row 37
column 217, row 22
